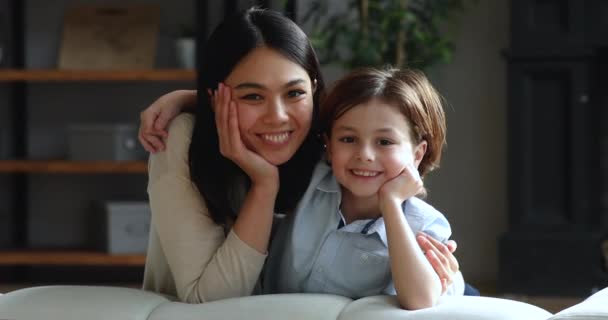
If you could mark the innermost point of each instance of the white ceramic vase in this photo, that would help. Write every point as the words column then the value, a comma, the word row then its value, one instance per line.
column 185, row 52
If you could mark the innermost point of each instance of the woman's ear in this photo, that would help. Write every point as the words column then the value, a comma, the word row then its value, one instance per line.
column 314, row 85
column 419, row 152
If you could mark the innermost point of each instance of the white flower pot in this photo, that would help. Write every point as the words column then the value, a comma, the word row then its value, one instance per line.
column 185, row 51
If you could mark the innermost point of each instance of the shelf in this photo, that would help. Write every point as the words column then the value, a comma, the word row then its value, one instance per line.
column 59, row 166
column 69, row 258
column 44, row 75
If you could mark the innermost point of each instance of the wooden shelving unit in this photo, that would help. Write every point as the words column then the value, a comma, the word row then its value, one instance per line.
column 58, row 166
column 44, row 75
column 17, row 167
column 69, row 258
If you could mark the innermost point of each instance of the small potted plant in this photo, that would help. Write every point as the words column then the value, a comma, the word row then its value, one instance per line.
column 185, row 47
column 379, row 32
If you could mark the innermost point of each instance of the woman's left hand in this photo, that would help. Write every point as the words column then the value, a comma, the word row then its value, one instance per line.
column 441, row 257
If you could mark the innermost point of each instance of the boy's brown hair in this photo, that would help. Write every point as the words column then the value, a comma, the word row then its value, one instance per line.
column 407, row 89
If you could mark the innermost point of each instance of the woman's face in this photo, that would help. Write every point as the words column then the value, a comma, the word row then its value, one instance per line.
column 274, row 99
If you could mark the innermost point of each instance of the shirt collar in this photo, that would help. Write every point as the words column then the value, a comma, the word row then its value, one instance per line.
column 328, row 182
column 357, row 226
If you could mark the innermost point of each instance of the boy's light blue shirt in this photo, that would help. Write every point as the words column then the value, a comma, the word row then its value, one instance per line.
column 310, row 254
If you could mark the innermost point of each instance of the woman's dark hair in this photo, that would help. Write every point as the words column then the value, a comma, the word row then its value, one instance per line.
column 216, row 177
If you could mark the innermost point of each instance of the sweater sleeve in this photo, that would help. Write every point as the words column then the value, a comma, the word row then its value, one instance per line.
column 206, row 265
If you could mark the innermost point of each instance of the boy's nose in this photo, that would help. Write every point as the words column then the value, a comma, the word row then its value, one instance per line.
column 366, row 153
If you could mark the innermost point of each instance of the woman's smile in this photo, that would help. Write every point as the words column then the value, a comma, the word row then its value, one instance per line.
column 278, row 138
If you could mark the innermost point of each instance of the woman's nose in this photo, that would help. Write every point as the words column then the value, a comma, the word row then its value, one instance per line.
column 276, row 113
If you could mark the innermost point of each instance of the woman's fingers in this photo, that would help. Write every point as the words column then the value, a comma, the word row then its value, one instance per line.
column 226, row 122
column 443, row 251
column 146, row 123
column 147, row 146
column 156, row 142
column 161, row 123
column 225, row 113
column 219, row 116
column 452, row 245
column 151, row 140
column 440, row 267
column 444, row 285
column 233, row 126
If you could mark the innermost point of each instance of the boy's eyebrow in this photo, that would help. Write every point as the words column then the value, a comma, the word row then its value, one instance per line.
column 254, row 85
column 389, row 130
column 346, row 128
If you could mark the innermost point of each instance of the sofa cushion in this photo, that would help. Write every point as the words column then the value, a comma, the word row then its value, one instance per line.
column 594, row 307
column 78, row 302
column 449, row 307
column 267, row 307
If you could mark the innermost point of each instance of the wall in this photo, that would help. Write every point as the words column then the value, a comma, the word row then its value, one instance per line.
column 471, row 185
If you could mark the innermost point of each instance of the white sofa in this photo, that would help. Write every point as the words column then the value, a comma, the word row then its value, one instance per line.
column 96, row 303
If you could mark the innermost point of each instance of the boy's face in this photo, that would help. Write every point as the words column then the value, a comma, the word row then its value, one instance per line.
column 369, row 145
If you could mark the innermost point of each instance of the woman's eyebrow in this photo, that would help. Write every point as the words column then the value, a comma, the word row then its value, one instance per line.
column 246, row 85
column 294, row 82
column 254, row 85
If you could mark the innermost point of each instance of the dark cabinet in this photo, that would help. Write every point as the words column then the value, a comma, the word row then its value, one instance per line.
column 558, row 176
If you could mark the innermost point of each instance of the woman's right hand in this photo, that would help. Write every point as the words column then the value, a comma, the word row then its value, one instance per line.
column 261, row 172
column 155, row 119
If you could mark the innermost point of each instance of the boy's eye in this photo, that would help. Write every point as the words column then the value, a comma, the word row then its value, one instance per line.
column 385, row 142
column 252, row 96
column 347, row 139
column 295, row 93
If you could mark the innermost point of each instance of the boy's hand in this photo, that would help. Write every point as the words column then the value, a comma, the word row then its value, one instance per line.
column 404, row 186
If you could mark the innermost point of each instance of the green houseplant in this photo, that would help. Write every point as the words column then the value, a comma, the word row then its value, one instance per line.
column 379, row 32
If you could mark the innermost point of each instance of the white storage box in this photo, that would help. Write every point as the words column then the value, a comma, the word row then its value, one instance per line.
column 123, row 227
column 98, row 142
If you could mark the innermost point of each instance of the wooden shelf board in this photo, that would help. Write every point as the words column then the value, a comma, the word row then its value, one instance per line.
column 69, row 258
column 49, row 75
column 60, row 166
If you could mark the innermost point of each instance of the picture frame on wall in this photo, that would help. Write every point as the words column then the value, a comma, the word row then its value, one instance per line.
column 110, row 37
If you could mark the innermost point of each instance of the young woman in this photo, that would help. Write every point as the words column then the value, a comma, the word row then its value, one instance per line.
column 247, row 151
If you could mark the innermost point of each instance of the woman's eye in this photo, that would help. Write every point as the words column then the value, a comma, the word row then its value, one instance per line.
column 295, row 93
column 252, row 96
column 347, row 139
